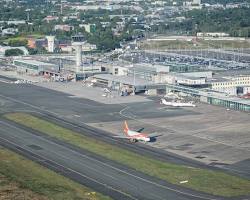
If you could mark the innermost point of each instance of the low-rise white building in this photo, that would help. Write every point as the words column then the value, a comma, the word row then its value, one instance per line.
column 194, row 79
column 212, row 34
column 9, row 31
column 64, row 27
column 230, row 85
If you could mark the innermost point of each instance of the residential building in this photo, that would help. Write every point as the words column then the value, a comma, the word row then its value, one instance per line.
column 64, row 27
column 90, row 28
column 50, row 18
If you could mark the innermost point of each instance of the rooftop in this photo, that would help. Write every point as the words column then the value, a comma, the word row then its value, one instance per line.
column 123, row 79
column 238, row 72
column 34, row 62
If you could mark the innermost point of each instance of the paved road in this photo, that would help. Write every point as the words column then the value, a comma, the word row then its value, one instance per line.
column 115, row 181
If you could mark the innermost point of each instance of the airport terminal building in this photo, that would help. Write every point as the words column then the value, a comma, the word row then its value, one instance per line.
column 36, row 67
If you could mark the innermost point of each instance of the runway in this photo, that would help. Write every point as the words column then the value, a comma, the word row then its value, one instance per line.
column 82, row 111
column 105, row 176
column 101, row 175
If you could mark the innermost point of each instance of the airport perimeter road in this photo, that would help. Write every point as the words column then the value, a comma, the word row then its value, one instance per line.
column 100, row 174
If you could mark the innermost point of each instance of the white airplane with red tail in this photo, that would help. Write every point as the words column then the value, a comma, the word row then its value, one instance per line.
column 135, row 136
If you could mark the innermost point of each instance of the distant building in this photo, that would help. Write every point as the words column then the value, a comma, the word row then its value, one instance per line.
column 50, row 18
column 88, row 47
column 212, row 34
column 105, row 24
column 118, row 28
column 196, row 2
column 9, row 31
column 64, row 27
column 41, row 43
column 90, row 28
column 16, row 22
column 118, row 70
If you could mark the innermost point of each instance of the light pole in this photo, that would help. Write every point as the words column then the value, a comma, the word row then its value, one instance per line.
column 134, row 75
column 28, row 14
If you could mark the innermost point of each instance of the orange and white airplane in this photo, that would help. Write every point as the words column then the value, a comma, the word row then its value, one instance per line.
column 134, row 136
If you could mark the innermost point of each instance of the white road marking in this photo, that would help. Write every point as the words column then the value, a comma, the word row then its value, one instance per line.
column 72, row 170
column 36, row 107
column 5, row 81
column 108, row 165
column 201, row 137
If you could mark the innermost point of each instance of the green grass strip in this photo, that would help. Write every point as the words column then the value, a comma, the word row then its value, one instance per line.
column 209, row 181
column 42, row 181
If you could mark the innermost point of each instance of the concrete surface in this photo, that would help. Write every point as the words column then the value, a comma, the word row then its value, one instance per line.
column 207, row 133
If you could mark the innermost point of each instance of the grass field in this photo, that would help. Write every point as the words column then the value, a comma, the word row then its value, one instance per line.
column 23, row 179
column 200, row 44
column 12, row 190
column 23, row 37
column 208, row 181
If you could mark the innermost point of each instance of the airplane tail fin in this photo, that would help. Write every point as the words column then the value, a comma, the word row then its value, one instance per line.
column 126, row 127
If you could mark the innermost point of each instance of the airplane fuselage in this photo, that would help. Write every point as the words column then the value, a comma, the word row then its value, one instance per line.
column 136, row 136
column 177, row 104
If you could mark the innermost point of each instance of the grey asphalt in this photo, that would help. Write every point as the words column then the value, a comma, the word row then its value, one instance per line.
column 59, row 157
column 101, row 175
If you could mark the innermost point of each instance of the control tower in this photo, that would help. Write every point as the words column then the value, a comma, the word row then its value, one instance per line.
column 197, row 2
column 51, row 43
column 77, row 42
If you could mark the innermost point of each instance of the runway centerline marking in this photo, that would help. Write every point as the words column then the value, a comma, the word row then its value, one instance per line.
column 117, row 169
column 72, row 170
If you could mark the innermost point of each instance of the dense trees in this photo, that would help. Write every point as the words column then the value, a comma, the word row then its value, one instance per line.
column 223, row 1
column 234, row 21
column 17, row 43
column 103, row 38
column 13, row 52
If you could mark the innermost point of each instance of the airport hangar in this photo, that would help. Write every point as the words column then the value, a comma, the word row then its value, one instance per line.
column 120, row 82
column 34, row 67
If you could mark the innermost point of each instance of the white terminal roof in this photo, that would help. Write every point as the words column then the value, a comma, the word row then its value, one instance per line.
column 226, row 98
column 123, row 79
column 35, row 62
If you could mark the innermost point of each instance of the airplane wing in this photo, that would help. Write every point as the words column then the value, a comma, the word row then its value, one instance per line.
column 154, row 135
column 120, row 136
column 140, row 130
